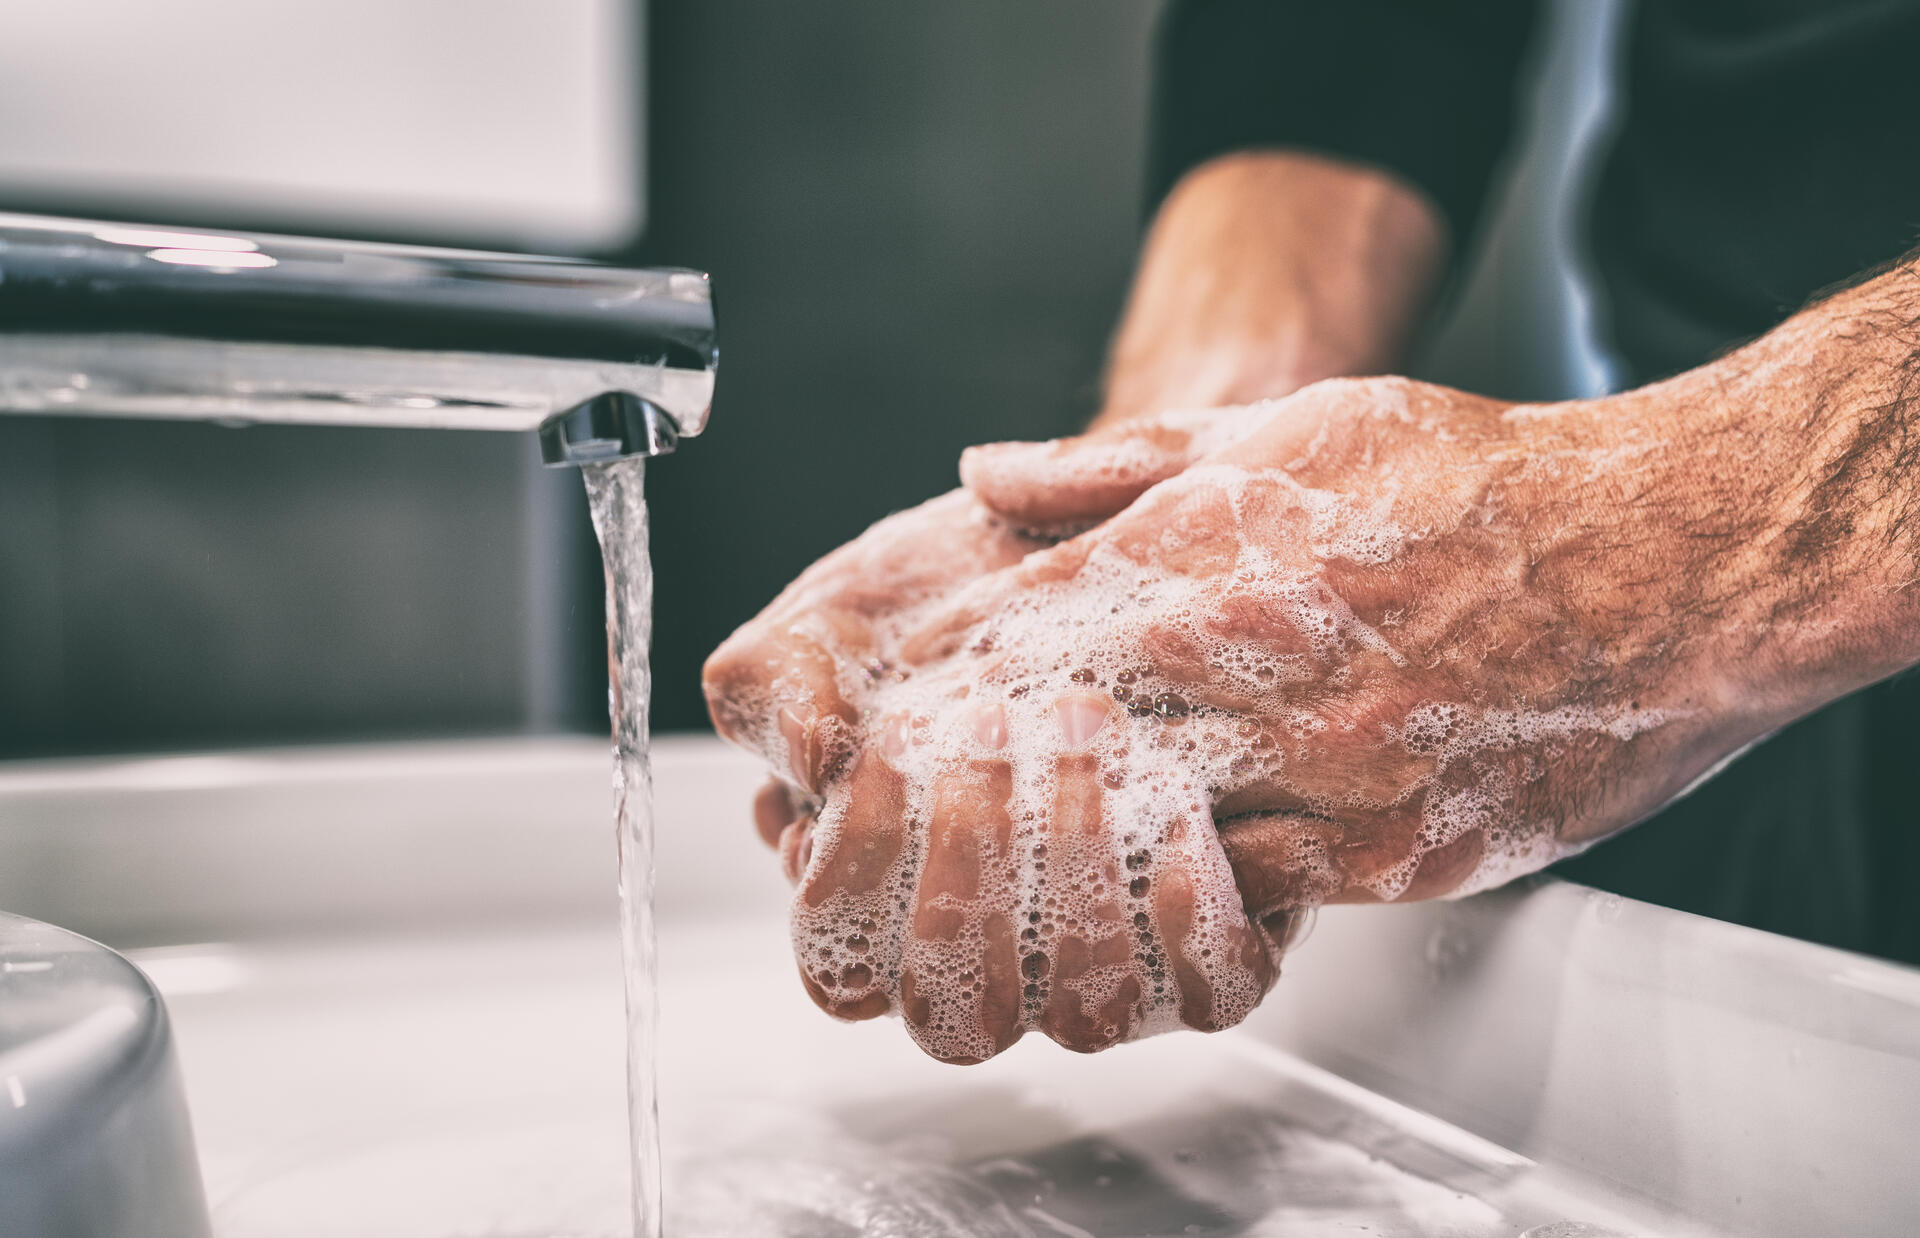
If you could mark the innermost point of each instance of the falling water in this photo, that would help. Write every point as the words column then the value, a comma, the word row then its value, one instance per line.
column 620, row 520
column 802, row 1177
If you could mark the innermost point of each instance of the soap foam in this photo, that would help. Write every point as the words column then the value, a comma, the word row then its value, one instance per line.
column 1135, row 925
column 1154, row 762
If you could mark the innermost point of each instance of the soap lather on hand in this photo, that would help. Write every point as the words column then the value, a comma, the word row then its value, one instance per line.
column 1077, row 748
column 1381, row 640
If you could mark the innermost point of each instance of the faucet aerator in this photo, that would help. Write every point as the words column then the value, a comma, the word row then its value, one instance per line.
column 608, row 427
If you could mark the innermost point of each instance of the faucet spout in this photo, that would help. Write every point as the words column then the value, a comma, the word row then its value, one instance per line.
column 608, row 427
column 121, row 320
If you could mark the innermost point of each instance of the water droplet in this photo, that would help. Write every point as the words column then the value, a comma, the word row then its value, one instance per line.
column 1170, row 705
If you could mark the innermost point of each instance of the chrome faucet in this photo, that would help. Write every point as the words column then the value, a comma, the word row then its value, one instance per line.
column 125, row 320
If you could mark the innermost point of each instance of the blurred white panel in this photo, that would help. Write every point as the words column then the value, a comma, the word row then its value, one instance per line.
column 507, row 122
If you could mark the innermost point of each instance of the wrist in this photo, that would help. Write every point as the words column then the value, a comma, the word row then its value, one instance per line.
column 1266, row 271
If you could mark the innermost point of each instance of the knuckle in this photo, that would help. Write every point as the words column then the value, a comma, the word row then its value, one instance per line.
column 848, row 997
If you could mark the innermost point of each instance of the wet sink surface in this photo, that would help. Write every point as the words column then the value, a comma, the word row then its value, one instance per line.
column 473, row 1086
column 1647, row 1065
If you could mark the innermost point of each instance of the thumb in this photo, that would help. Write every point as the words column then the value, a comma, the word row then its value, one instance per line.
column 1068, row 482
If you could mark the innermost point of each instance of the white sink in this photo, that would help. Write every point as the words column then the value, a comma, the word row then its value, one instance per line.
column 395, row 987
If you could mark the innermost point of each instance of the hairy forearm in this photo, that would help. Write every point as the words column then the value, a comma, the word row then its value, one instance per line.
column 1810, row 438
column 1266, row 271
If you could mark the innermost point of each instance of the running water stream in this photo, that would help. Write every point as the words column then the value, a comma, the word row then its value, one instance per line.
column 1200, row 1163
column 620, row 521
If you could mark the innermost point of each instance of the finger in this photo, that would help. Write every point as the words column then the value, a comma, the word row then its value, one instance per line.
column 1078, row 481
column 1442, row 869
column 965, row 619
column 773, row 811
column 1283, row 860
column 960, row 978
column 776, row 690
column 1070, row 482
column 849, row 905
column 796, row 849
column 1220, row 962
column 923, row 553
column 788, row 683
column 1287, row 929
column 1086, row 969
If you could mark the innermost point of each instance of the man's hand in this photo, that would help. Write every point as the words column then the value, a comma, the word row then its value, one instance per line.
column 1423, row 641
column 792, row 684
column 1380, row 640
column 1265, row 271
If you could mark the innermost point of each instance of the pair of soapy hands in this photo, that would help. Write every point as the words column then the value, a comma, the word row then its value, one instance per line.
column 1079, row 746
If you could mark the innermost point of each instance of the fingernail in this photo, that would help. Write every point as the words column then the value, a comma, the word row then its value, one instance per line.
column 1080, row 718
column 894, row 734
column 990, row 726
column 798, row 731
column 992, row 456
column 1290, row 927
column 796, row 848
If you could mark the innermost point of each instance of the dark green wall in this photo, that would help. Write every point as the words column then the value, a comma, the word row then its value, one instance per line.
column 920, row 220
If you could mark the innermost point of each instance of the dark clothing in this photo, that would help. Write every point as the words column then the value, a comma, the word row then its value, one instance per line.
column 1425, row 91
column 1766, row 149
column 1770, row 149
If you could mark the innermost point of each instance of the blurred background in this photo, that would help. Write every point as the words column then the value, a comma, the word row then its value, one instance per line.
column 920, row 220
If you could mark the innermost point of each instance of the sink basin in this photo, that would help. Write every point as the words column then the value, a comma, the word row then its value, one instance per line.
column 395, row 982
column 472, row 1086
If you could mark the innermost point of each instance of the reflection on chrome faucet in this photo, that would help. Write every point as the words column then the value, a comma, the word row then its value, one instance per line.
column 132, row 321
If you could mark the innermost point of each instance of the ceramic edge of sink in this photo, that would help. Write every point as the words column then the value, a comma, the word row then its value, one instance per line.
column 1750, row 1082
column 367, row 838
column 1740, row 1080
column 95, row 1141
